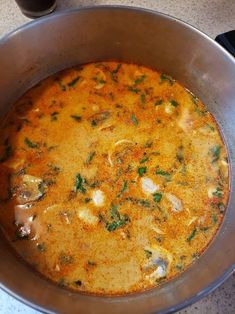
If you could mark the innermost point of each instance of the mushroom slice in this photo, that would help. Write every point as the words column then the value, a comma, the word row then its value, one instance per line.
column 159, row 261
column 32, row 189
column 99, row 117
column 124, row 142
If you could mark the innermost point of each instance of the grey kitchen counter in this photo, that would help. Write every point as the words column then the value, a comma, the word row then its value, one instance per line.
column 212, row 17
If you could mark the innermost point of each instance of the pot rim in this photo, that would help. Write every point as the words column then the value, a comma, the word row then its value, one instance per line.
column 73, row 11
column 209, row 289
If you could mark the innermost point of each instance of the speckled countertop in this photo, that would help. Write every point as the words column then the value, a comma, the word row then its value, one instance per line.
column 212, row 17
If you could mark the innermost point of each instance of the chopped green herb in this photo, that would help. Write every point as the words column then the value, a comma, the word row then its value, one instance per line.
column 120, row 161
column 180, row 154
column 173, row 102
column 215, row 151
column 61, row 85
column 157, row 197
column 142, row 98
column 214, row 219
column 49, row 182
column 183, row 168
column 87, row 200
column 21, row 171
column 195, row 256
column 156, row 153
column 76, row 117
column 117, row 68
column 30, row 144
column 143, row 203
column 90, row 157
column 134, row 120
column 148, row 144
column 179, row 267
column 204, row 229
column 78, row 283
column 91, row 263
column 74, row 81
column 221, row 207
column 42, row 189
column 116, row 224
column 159, row 102
column 144, row 160
column 118, row 219
column 94, row 184
column 199, row 111
column 65, row 259
column 114, row 212
column 54, row 115
column 163, row 173
column 102, row 218
column 194, row 99
column 41, row 247
column 114, row 72
column 53, row 168
column 100, row 81
column 142, row 171
column 133, row 90
column 210, row 127
column 79, row 183
column 192, row 235
column 166, row 78
column 159, row 239
column 140, row 202
column 160, row 280
column 140, row 79
column 148, row 253
column 50, row 148
column 218, row 193
column 124, row 188
column 93, row 123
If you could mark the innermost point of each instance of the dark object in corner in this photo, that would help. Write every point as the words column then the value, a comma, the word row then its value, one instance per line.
column 227, row 40
column 36, row 8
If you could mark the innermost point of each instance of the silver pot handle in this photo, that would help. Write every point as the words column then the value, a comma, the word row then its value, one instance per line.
column 227, row 40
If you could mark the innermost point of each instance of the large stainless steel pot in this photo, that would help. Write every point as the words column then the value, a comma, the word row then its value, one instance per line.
column 41, row 48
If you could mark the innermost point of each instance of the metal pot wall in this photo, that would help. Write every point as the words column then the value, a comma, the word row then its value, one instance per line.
column 50, row 44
